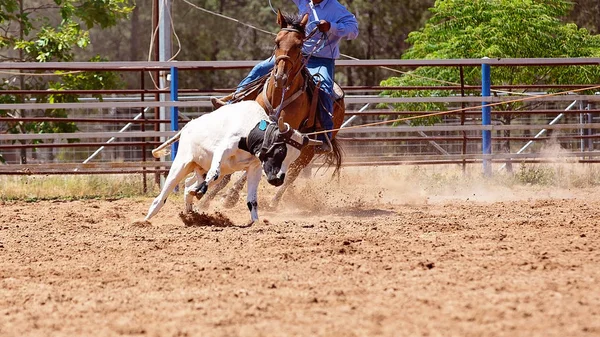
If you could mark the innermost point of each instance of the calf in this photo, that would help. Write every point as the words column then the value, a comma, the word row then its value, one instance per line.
column 233, row 138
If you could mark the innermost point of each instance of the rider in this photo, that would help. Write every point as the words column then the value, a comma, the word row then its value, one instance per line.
column 335, row 22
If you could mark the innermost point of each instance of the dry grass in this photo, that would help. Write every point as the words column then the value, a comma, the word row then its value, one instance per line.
column 408, row 181
column 71, row 187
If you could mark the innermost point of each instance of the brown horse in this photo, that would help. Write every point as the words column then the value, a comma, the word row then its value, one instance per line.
column 290, row 91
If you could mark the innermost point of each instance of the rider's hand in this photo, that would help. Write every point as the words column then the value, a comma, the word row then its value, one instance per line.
column 324, row 26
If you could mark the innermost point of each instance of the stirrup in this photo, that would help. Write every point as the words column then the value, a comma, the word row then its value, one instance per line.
column 324, row 148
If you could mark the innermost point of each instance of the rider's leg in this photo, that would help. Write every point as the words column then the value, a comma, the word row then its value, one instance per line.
column 324, row 69
column 259, row 70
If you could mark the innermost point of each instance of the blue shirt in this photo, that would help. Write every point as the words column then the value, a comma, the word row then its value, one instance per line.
column 343, row 25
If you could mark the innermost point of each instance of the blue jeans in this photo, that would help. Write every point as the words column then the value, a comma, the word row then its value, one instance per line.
column 324, row 67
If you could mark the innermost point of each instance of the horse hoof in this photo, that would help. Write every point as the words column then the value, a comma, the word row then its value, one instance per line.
column 273, row 205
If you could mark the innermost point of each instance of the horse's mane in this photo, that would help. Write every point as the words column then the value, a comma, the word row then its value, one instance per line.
column 293, row 21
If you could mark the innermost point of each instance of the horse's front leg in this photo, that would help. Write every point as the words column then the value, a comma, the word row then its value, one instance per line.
column 233, row 194
column 293, row 172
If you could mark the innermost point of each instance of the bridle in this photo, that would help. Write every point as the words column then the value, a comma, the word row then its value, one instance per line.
column 286, row 58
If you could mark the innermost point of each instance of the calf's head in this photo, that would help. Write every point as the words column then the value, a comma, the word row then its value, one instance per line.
column 280, row 147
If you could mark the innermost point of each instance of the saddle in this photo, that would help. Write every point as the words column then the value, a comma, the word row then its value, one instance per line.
column 312, row 122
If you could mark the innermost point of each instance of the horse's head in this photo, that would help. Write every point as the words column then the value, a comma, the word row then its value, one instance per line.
column 280, row 148
column 288, row 47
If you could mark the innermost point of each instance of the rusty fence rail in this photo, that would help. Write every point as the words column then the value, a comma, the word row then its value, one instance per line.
column 117, row 134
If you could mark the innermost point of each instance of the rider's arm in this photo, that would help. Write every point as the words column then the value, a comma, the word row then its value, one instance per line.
column 345, row 26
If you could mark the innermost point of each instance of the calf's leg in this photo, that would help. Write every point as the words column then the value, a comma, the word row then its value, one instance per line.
column 254, row 174
column 191, row 184
column 213, row 173
column 214, row 190
column 178, row 171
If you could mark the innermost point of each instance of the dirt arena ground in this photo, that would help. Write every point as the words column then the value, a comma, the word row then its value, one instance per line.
column 368, row 256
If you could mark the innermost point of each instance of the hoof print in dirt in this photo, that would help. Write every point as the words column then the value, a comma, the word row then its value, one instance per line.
column 203, row 219
column 426, row 265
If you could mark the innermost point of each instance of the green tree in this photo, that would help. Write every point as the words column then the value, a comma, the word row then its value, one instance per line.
column 51, row 30
column 384, row 27
column 496, row 29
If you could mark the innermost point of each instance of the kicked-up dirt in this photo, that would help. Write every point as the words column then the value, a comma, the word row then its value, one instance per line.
column 357, row 257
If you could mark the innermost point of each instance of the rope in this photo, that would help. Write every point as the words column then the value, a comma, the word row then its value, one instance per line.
column 341, row 54
column 271, row 5
column 228, row 18
column 454, row 111
column 161, row 10
column 396, row 71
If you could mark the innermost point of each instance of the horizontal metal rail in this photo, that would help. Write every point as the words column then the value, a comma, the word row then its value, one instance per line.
column 209, row 65
column 348, row 100
column 374, row 112
column 347, row 89
column 97, row 165
column 390, row 129
column 476, row 111
column 88, row 144
column 153, row 166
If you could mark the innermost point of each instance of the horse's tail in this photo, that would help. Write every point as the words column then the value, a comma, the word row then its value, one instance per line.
column 163, row 149
column 334, row 158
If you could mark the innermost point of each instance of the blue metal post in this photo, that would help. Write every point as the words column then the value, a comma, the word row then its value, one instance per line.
column 486, row 118
column 174, row 109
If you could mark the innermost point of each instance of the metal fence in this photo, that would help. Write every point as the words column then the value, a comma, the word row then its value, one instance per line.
column 116, row 135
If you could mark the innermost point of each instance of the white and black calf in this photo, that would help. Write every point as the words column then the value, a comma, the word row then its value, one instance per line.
column 235, row 137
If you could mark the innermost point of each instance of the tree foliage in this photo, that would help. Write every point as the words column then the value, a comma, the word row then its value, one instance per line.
column 497, row 29
column 383, row 26
column 52, row 30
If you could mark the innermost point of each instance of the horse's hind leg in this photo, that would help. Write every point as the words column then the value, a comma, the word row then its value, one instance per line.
column 233, row 194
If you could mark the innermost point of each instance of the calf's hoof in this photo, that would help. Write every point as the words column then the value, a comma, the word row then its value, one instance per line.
column 200, row 191
column 248, row 224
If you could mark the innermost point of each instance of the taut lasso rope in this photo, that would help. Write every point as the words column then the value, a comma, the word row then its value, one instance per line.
column 529, row 98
